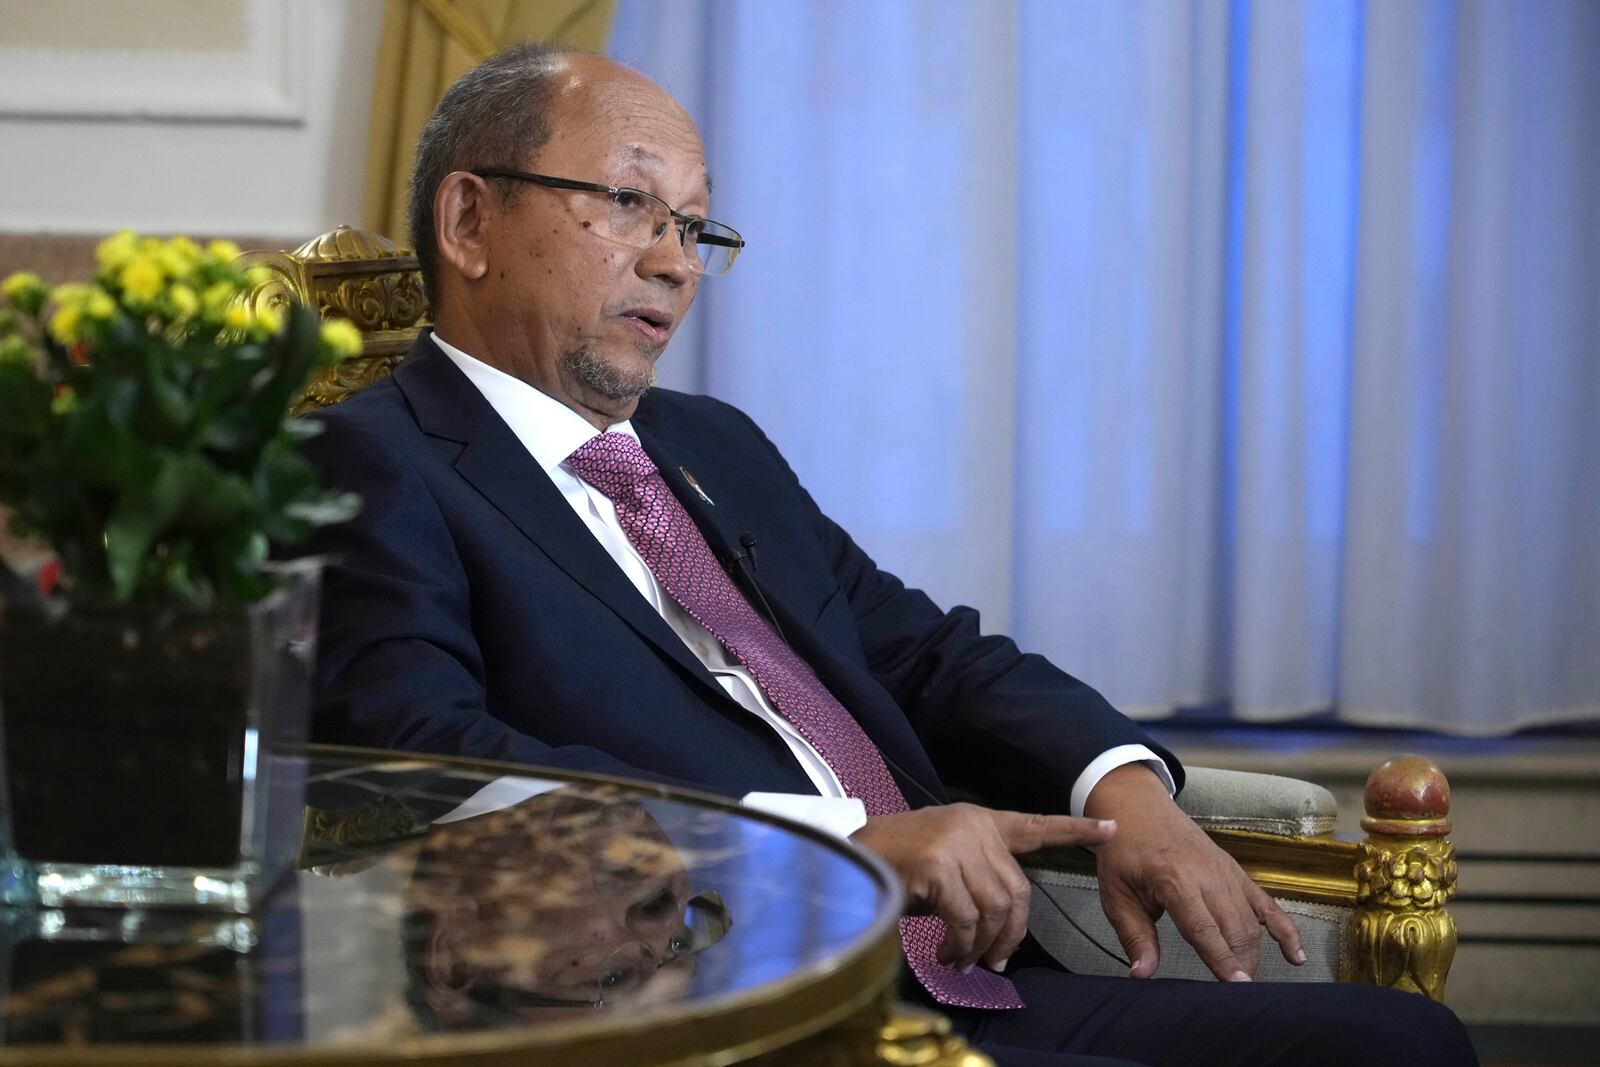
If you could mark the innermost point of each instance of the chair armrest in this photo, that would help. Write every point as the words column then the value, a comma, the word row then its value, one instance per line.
column 1369, row 910
column 1261, row 803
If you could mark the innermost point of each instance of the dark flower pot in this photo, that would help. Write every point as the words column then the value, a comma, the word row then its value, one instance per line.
column 142, row 747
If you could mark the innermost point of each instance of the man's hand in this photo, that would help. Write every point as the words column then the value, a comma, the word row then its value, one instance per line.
column 1161, row 861
column 956, row 862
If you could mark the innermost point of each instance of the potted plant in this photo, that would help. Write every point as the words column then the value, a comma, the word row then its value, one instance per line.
column 145, row 698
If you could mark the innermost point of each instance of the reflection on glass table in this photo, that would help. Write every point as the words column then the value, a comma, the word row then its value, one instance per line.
column 436, row 901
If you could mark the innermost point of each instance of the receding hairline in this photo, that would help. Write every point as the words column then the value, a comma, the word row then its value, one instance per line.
column 569, row 70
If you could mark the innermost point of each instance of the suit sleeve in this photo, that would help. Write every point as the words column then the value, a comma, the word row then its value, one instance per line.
column 1004, row 723
column 398, row 666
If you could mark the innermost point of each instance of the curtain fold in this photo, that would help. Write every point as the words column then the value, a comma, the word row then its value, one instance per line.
column 1242, row 353
column 428, row 44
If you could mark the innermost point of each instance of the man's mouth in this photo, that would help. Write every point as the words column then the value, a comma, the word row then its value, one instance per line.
column 655, row 324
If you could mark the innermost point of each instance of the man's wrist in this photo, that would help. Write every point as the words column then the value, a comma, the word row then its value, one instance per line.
column 1128, row 787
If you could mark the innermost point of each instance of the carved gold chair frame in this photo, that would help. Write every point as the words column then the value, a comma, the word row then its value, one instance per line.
column 352, row 274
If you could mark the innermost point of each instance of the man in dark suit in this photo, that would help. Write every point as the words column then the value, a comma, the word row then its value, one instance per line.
column 559, row 565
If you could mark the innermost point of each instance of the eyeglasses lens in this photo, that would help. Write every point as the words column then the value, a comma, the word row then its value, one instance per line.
column 641, row 220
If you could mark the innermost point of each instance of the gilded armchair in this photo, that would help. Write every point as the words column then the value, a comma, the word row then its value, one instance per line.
column 1370, row 910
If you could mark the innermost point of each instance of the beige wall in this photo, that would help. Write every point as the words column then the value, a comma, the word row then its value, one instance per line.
column 118, row 25
column 256, row 125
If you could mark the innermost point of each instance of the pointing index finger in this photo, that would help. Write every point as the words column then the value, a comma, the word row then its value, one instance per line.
column 1028, row 833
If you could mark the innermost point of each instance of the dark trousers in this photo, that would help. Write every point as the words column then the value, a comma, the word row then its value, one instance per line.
column 1090, row 1021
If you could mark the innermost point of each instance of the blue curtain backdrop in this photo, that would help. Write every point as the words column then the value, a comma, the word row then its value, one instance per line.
column 1223, row 352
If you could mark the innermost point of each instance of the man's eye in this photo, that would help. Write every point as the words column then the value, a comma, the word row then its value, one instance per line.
column 693, row 229
column 628, row 199
column 616, row 977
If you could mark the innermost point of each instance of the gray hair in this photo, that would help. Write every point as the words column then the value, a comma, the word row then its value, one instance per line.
column 496, row 115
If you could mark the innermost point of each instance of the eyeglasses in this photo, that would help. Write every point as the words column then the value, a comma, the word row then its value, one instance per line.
column 640, row 219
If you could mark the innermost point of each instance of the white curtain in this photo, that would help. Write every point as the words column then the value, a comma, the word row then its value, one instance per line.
column 1241, row 353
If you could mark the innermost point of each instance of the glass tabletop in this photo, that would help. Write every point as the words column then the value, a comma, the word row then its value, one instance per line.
column 440, row 899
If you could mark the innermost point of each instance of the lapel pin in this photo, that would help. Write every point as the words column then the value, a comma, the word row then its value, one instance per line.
column 695, row 486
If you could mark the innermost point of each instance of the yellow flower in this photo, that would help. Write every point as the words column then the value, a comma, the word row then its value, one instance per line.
column 99, row 305
column 342, row 337
column 217, row 296
column 172, row 259
column 117, row 249
column 185, row 304
column 269, row 320
column 236, row 317
column 14, row 349
column 26, row 291
column 142, row 278
column 20, row 282
column 64, row 401
column 64, row 323
column 223, row 251
column 186, row 248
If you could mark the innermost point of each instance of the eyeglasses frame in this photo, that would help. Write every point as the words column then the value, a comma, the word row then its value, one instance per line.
column 679, row 219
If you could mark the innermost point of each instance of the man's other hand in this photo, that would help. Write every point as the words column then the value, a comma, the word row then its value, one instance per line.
column 1161, row 861
column 956, row 862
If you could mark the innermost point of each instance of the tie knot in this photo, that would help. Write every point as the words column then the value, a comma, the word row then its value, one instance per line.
column 611, row 462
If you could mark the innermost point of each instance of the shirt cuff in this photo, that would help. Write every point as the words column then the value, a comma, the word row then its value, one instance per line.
column 841, row 816
column 1110, row 760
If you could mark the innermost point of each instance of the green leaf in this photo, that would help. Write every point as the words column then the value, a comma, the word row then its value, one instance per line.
column 24, row 403
column 142, row 515
column 98, row 453
column 219, row 501
column 224, row 383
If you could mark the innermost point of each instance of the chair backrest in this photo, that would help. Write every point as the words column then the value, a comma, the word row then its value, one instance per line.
column 360, row 276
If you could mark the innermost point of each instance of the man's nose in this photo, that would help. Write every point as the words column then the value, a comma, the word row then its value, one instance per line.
column 666, row 260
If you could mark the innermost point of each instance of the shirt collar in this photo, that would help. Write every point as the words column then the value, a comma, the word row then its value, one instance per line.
column 547, row 428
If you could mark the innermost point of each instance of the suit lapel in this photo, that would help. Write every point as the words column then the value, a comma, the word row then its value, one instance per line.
column 717, row 519
column 497, row 465
column 720, row 518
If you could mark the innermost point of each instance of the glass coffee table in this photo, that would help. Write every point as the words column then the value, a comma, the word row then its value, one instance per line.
column 459, row 912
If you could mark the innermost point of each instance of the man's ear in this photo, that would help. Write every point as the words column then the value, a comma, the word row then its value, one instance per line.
column 462, row 208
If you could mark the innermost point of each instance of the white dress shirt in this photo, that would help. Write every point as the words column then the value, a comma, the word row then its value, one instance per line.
column 551, row 432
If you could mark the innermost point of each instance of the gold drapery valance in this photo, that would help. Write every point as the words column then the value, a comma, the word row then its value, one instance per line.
column 426, row 45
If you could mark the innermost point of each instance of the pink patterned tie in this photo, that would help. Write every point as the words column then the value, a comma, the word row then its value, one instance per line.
column 677, row 554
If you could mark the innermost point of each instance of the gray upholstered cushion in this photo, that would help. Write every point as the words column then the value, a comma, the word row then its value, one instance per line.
column 1321, row 926
column 1265, row 803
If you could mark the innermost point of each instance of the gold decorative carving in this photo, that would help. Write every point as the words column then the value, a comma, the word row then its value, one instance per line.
column 356, row 275
column 332, row 836
column 1410, row 950
column 1402, row 936
column 345, row 244
column 392, row 301
column 916, row 1038
column 336, row 383
column 1406, row 874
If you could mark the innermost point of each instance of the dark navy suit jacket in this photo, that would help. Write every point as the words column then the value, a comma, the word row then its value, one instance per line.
column 471, row 612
